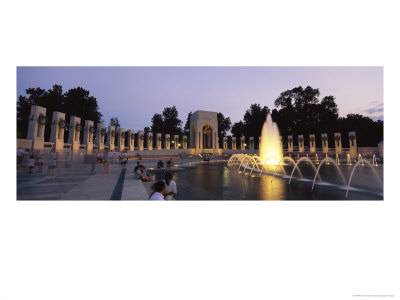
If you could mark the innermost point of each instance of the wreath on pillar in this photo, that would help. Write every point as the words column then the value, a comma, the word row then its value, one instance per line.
column 122, row 133
column 352, row 138
column 324, row 138
column 312, row 138
column 290, row 139
column 159, row 139
column 184, row 139
column 141, row 137
column 300, row 139
column 42, row 120
column 91, row 129
column 61, row 123
column 78, row 127
column 168, row 139
column 103, row 131
column 112, row 133
column 132, row 136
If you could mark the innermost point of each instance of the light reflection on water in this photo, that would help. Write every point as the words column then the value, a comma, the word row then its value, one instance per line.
column 215, row 181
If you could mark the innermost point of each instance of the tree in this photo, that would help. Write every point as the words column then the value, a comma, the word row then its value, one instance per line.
column 224, row 124
column 157, row 124
column 238, row 129
column 114, row 122
column 254, row 119
column 186, row 129
column 172, row 123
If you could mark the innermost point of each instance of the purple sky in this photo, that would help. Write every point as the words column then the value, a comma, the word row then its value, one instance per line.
column 134, row 94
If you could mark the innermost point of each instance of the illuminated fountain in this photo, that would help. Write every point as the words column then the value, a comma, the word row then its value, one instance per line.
column 271, row 161
column 349, row 159
column 271, row 151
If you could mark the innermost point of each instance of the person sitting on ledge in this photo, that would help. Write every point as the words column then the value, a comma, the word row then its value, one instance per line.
column 144, row 175
column 159, row 191
column 170, row 187
column 169, row 163
column 160, row 164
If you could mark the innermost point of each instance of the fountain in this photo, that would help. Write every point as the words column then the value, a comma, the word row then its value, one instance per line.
column 271, row 151
column 349, row 159
column 271, row 159
column 374, row 162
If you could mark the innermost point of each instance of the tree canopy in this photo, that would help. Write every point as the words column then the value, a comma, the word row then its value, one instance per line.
column 167, row 122
column 300, row 111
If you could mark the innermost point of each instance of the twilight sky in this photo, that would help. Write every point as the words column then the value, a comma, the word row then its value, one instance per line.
column 134, row 94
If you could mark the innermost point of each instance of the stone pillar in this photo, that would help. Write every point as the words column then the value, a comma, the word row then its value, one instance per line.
column 290, row 143
column 234, row 143
column 225, row 142
column 140, row 140
column 300, row 141
column 88, row 133
column 325, row 146
column 215, row 144
column 312, row 143
column 353, row 144
column 100, row 135
column 184, row 142
column 131, row 140
column 149, row 141
column 251, row 140
column 57, row 131
column 111, row 138
column 121, row 139
column 176, row 141
column 167, row 142
column 242, row 143
column 74, row 136
column 338, row 143
column 159, row 141
column 37, row 122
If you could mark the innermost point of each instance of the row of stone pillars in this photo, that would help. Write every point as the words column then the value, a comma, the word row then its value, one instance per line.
column 325, row 146
column 115, row 137
column 300, row 138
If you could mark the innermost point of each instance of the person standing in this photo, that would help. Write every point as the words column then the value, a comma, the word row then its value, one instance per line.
column 31, row 164
column 124, row 159
column 106, row 161
column 51, row 163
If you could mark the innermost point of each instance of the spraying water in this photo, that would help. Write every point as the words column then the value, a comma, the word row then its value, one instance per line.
column 271, row 151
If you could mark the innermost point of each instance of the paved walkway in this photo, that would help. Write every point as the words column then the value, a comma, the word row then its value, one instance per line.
column 78, row 182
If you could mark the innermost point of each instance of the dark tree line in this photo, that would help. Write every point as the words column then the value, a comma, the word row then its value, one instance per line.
column 300, row 111
column 74, row 102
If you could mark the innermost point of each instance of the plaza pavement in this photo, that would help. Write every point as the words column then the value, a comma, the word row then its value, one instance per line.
column 78, row 182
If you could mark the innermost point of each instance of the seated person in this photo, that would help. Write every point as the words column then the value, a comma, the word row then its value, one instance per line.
column 159, row 191
column 169, row 163
column 144, row 175
column 160, row 164
column 170, row 187
column 136, row 168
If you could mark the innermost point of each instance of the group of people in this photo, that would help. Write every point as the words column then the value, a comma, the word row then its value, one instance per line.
column 164, row 189
column 141, row 173
column 29, row 160
column 169, row 164
column 109, row 157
